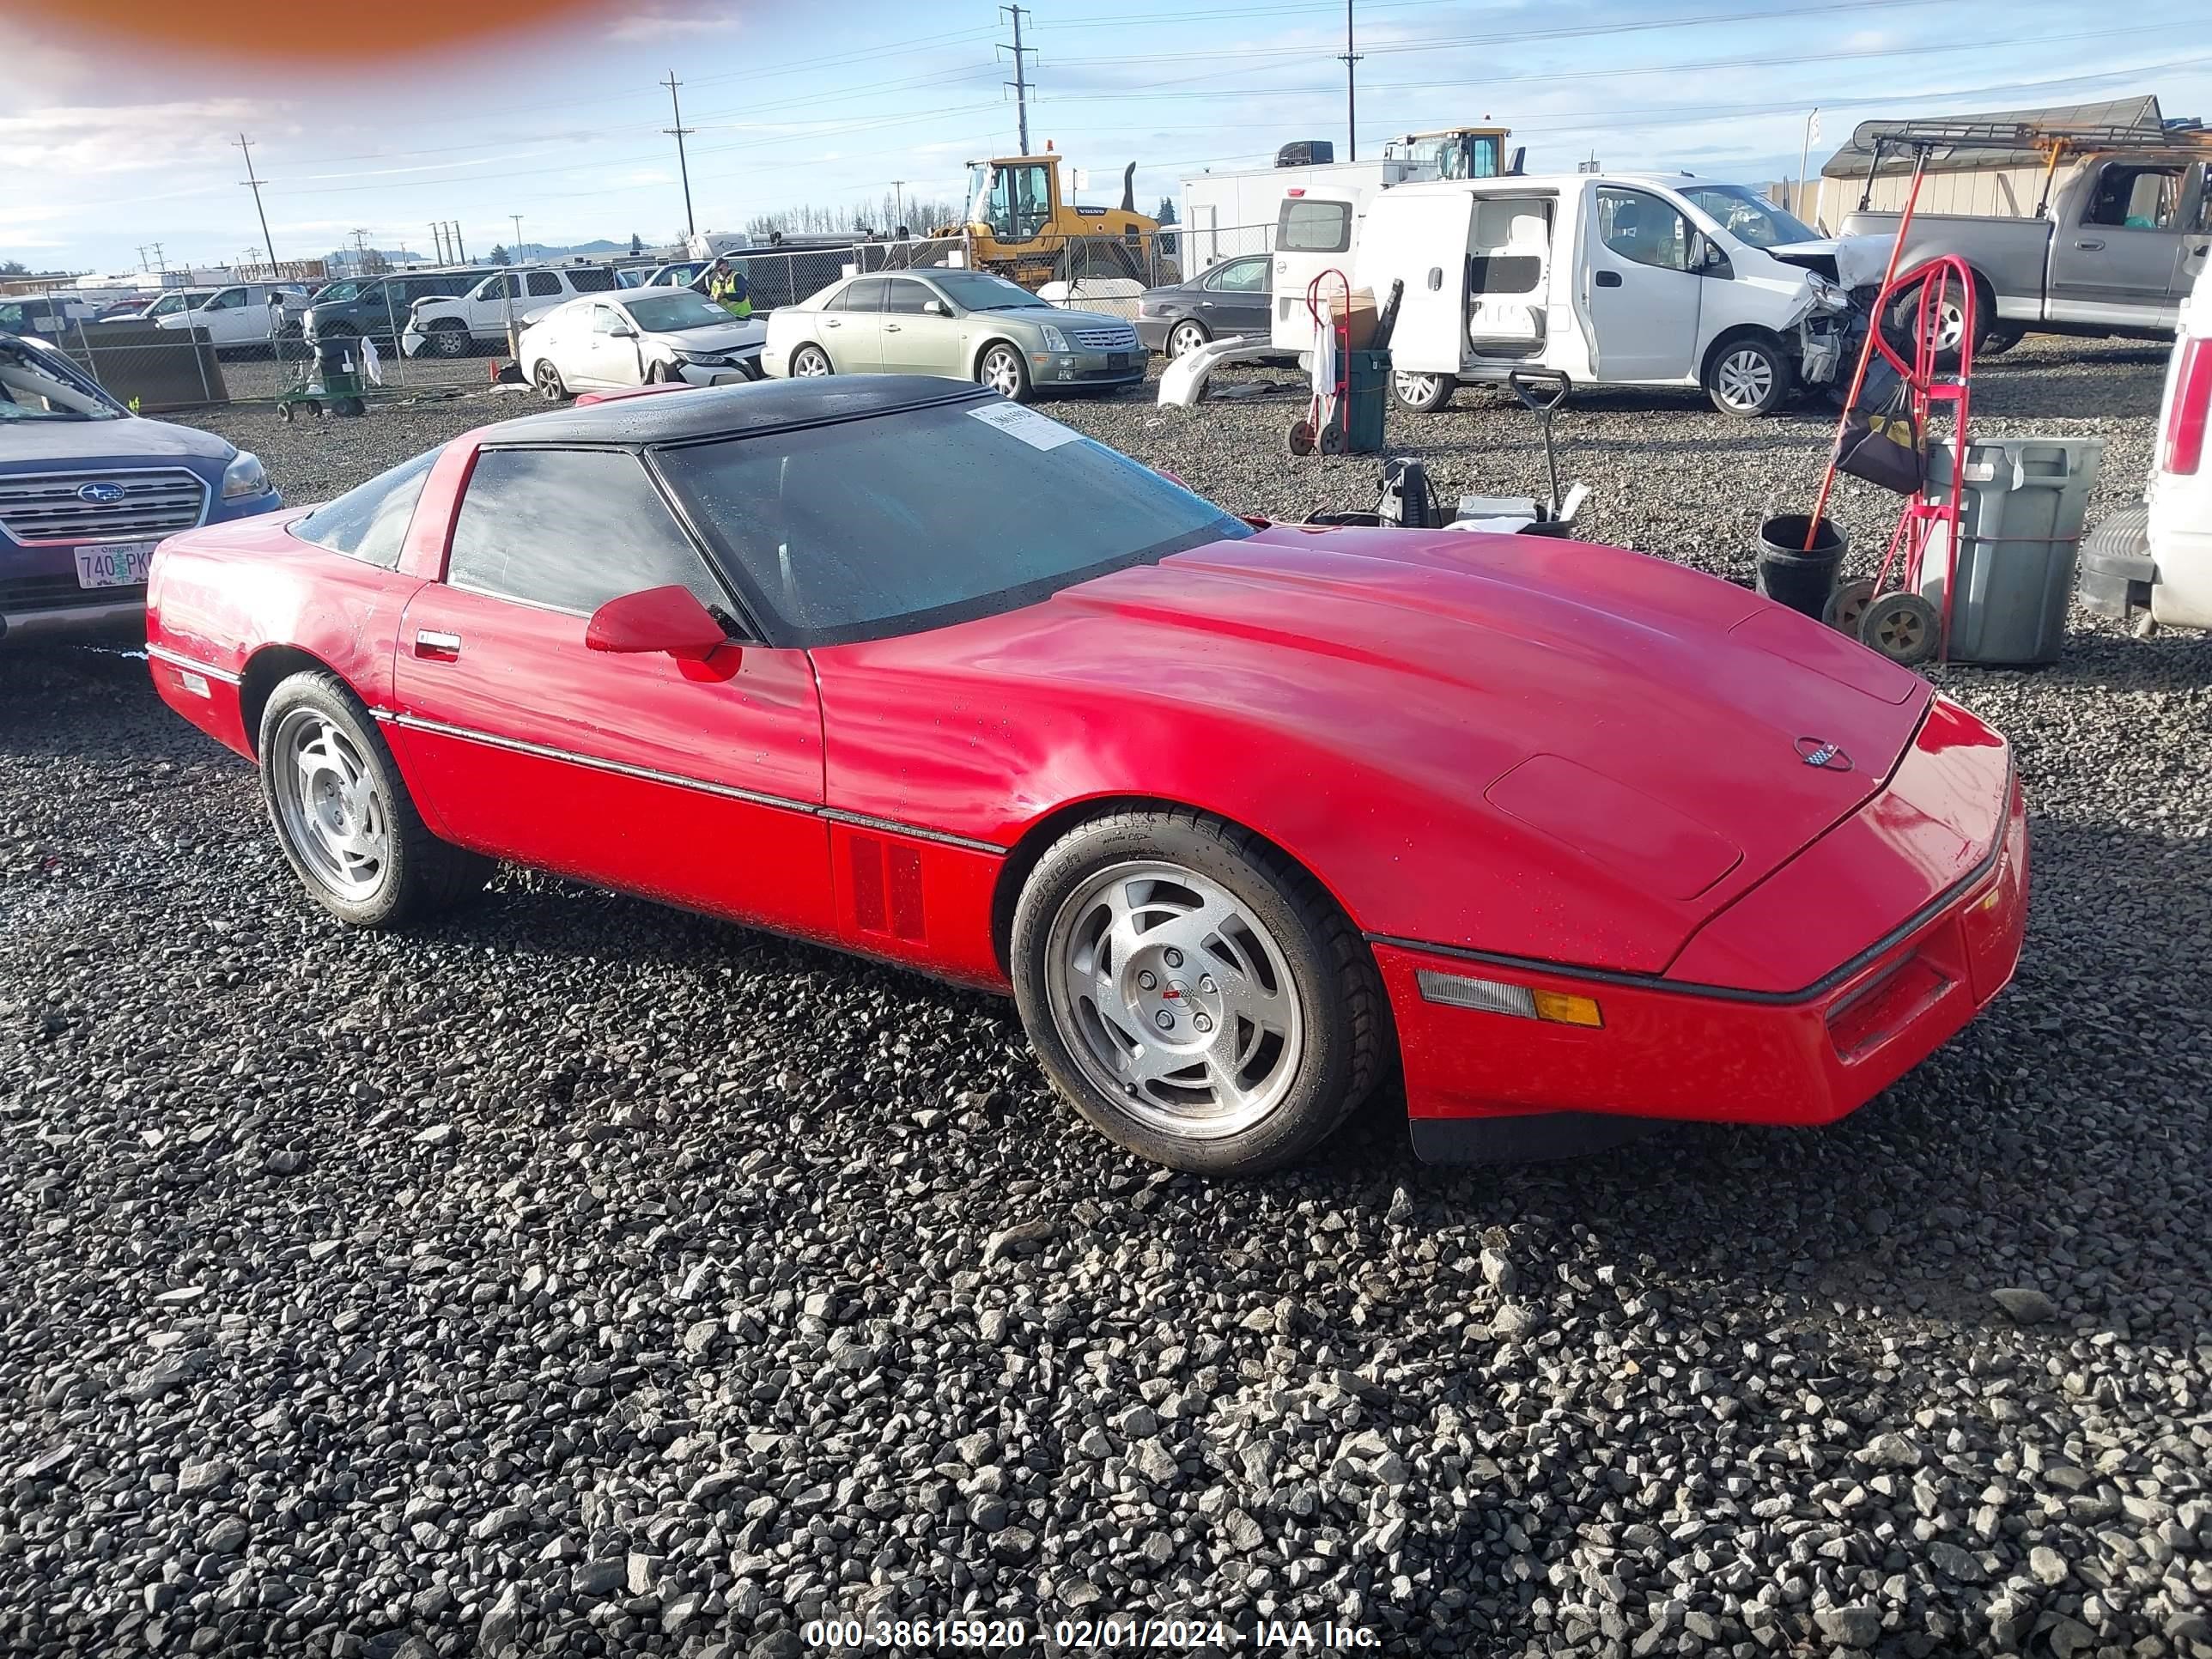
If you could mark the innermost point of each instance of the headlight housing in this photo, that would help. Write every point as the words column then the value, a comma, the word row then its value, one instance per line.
column 704, row 359
column 244, row 476
column 1054, row 339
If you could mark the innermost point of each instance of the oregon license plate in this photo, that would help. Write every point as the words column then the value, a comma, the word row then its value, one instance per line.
column 114, row 564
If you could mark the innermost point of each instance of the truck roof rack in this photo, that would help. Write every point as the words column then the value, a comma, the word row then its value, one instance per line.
column 2048, row 141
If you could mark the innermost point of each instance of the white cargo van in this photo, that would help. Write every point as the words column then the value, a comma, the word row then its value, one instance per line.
column 1611, row 279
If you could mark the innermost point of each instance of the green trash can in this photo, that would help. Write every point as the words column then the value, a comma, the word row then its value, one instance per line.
column 1367, row 398
column 2020, row 532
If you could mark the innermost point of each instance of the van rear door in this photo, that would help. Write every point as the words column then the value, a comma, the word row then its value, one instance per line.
column 1313, row 234
column 1420, row 237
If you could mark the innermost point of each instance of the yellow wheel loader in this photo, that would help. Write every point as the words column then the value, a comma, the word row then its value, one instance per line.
column 1022, row 225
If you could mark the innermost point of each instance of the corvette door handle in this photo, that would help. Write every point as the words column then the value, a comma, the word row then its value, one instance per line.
column 438, row 647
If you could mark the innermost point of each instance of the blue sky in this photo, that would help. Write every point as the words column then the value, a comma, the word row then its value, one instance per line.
column 103, row 148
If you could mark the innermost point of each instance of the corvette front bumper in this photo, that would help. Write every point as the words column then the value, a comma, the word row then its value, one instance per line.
column 1482, row 1086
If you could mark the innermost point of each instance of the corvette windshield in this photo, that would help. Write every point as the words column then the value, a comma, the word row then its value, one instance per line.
column 929, row 516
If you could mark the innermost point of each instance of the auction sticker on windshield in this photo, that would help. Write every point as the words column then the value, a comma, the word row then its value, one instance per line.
column 114, row 564
column 1037, row 431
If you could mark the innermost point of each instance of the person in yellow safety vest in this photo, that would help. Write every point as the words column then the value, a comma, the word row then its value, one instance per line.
column 727, row 289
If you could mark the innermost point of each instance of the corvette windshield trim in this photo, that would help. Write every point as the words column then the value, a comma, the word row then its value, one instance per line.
column 653, row 775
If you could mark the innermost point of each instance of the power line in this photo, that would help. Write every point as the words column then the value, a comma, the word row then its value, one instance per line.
column 680, row 133
column 1020, row 82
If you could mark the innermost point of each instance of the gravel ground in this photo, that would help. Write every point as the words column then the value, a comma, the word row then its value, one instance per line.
column 584, row 1276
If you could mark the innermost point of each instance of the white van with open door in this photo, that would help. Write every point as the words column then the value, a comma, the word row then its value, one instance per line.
column 1609, row 279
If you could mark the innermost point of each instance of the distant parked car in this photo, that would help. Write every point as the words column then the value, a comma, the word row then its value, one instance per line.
column 49, row 314
column 243, row 314
column 176, row 299
column 454, row 326
column 377, row 306
column 960, row 324
column 87, row 488
column 1232, row 298
column 639, row 337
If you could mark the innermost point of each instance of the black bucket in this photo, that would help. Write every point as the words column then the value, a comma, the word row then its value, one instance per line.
column 1789, row 574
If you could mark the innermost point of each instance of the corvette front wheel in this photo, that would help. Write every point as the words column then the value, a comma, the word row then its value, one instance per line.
column 1198, row 997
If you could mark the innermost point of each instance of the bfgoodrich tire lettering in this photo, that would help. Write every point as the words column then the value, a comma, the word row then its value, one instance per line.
column 342, row 815
column 1199, row 998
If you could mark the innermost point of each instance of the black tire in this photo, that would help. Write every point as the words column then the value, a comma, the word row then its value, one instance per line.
column 1846, row 606
column 1003, row 366
column 659, row 373
column 810, row 363
column 2000, row 339
column 286, row 412
column 1903, row 627
column 1422, row 394
column 1749, row 376
column 1344, row 1044
column 1898, row 328
column 449, row 338
column 546, row 377
column 420, row 875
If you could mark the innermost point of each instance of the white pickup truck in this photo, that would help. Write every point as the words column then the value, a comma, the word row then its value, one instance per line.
column 244, row 314
column 454, row 326
column 1609, row 279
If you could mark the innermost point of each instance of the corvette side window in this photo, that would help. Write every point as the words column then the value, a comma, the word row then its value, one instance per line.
column 569, row 530
column 369, row 522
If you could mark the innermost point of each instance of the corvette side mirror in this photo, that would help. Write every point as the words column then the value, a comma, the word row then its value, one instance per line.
column 669, row 619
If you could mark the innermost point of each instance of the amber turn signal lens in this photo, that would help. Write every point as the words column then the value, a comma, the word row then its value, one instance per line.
column 1563, row 1009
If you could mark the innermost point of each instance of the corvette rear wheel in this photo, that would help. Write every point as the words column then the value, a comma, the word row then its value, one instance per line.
column 1197, row 996
column 342, row 814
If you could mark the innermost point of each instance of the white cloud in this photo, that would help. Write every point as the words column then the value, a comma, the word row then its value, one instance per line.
column 94, row 139
column 652, row 23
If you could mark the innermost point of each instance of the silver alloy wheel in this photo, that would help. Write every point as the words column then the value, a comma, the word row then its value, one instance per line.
column 450, row 342
column 335, row 818
column 1949, row 323
column 1745, row 378
column 810, row 363
column 1416, row 388
column 548, row 381
column 1002, row 371
column 1185, row 339
column 1174, row 1000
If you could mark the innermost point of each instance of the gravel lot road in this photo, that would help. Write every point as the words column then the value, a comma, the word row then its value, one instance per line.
column 582, row 1277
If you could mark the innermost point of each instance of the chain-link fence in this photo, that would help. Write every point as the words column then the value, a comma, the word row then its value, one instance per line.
column 155, row 369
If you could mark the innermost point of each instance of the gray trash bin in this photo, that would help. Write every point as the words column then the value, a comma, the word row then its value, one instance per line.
column 2021, row 518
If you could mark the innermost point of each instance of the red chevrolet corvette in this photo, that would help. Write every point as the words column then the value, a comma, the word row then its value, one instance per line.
column 1243, row 814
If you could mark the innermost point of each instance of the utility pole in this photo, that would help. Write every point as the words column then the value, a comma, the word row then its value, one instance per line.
column 1020, row 84
column 1812, row 132
column 460, row 248
column 1350, row 89
column 898, row 204
column 514, row 248
column 438, row 239
column 360, row 250
column 269, row 241
column 680, row 132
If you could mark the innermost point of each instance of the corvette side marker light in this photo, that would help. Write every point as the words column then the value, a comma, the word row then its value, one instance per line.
column 1492, row 996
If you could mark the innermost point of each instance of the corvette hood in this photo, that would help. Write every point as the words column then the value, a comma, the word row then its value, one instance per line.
column 1521, row 745
column 1689, row 694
